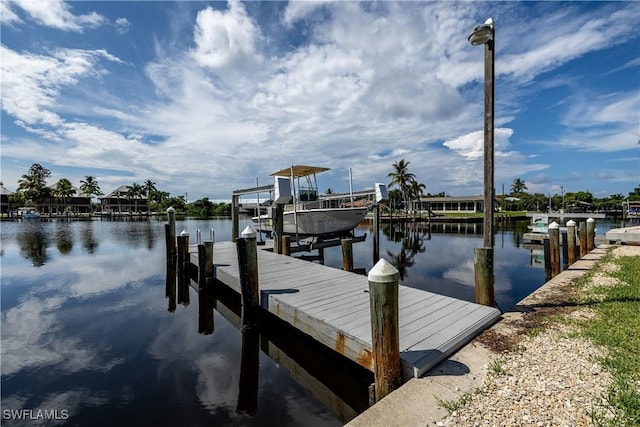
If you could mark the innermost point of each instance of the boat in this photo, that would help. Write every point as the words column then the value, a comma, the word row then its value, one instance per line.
column 306, row 214
column 28, row 213
column 633, row 209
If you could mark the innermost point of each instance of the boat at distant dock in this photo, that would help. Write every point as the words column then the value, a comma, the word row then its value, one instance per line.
column 28, row 213
column 307, row 214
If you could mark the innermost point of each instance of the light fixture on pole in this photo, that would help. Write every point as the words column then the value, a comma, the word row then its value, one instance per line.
column 485, row 35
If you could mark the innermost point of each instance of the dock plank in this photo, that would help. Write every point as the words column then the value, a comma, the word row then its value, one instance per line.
column 332, row 306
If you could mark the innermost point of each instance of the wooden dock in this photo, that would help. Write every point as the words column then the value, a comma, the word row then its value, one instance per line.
column 333, row 307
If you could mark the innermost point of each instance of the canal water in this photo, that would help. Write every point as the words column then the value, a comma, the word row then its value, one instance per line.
column 93, row 332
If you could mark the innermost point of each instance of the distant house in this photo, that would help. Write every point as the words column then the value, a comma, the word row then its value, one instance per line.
column 5, row 206
column 579, row 207
column 119, row 201
column 458, row 204
column 78, row 202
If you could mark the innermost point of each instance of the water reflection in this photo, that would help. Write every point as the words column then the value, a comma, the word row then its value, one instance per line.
column 88, row 331
column 338, row 383
column 33, row 246
column 89, row 241
column 64, row 238
column 412, row 236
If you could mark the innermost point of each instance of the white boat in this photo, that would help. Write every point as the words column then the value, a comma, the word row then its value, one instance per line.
column 306, row 215
column 28, row 213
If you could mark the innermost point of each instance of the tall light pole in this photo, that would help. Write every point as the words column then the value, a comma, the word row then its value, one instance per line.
column 485, row 35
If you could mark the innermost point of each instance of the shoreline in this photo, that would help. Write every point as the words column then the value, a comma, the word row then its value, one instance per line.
column 464, row 390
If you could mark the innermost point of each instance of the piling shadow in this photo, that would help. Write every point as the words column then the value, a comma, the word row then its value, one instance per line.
column 280, row 291
column 448, row 367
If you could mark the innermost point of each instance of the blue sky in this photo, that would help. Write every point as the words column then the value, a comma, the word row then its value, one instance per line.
column 203, row 98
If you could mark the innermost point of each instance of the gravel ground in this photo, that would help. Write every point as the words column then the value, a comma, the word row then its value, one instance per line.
column 551, row 379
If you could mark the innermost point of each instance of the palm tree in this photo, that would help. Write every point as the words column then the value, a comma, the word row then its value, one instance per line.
column 401, row 177
column 63, row 191
column 33, row 184
column 518, row 186
column 149, row 187
column 416, row 190
column 134, row 191
column 90, row 187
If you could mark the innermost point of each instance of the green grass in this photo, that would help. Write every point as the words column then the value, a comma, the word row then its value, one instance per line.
column 497, row 366
column 617, row 328
column 453, row 405
column 481, row 215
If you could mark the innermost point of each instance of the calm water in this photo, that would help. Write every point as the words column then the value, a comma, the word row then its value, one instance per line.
column 88, row 329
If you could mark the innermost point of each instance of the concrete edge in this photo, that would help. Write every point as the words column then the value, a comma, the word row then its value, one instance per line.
column 418, row 401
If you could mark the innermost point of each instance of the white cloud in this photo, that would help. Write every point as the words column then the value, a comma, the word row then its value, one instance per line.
column 32, row 83
column 471, row 145
column 123, row 25
column 366, row 85
column 297, row 10
column 8, row 16
column 57, row 14
column 226, row 38
column 564, row 36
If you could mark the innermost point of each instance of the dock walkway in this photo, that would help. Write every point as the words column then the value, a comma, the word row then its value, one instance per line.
column 332, row 306
column 626, row 235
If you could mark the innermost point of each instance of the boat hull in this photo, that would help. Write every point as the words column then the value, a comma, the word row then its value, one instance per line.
column 316, row 222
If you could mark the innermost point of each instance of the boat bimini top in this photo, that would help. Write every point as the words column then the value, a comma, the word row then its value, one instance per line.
column 297, row 171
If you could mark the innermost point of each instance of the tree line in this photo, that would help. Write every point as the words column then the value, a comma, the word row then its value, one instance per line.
column 519, row 199
column 406, row 190
column 33, row 191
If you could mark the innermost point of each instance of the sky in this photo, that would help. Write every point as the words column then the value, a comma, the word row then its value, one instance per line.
column 203, row 98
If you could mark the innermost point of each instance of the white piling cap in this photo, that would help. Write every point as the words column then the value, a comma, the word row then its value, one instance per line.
column 554, row 226
column 383, row 272
column 571, row 223
column 171, row 209
column 591, row 220
column 184, row 233
column 248, row 233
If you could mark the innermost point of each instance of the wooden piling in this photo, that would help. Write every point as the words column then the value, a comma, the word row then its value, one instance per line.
column 347, row 254
column 383, row 296
column 286, row 245
column 546, row 245
column 591, row 234
column 554, row 248
column 376, row 234
column 208, row 260
column 183, row 249
column 582, row 232
column 235, row 217
column 278, row 224
column 202, row 276
column 565, row 249
column 247, row 249
column 171, row 237
column 183, row 286
column 483, row 268
column 169, row 242
column 571, row 242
